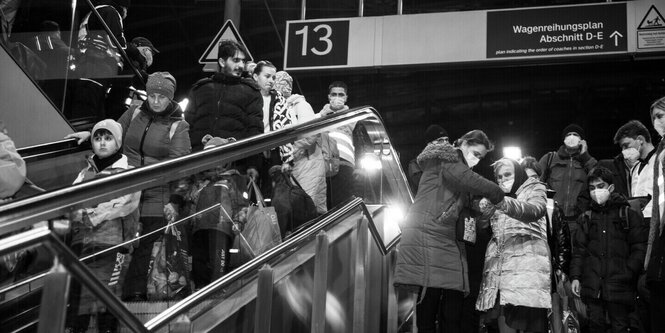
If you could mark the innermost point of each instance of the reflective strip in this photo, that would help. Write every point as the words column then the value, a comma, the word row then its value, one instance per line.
column 344, row 145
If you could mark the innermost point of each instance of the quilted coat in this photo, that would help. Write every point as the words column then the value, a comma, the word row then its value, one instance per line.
column 517, row 259
column 429, row 254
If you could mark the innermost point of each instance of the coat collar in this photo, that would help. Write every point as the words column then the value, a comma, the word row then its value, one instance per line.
column 444, row 152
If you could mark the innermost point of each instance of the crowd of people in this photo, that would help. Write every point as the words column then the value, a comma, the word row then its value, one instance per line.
column 242, row 99
column 599, row 241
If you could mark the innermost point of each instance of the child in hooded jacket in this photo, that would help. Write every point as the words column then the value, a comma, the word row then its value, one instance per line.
column 103, row 226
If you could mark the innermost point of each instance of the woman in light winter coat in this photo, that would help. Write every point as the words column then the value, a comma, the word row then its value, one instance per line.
column 515, row 288
column 305, row 155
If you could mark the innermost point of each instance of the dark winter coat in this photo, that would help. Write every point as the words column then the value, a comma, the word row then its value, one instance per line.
column 224, row 106
column 609, row 250
column 567, row 176
column 559, row 240
column 429, row 254
column 146, row 141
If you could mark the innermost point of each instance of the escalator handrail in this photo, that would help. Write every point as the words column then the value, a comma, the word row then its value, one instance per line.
column 115, row 41
column 50, row 150
column 43, row 235
column 295, row 242
column 23, row 213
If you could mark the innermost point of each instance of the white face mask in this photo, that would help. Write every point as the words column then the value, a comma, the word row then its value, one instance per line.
column 631, row 155
column 600, row 196
column 572, row 141
column 507, row 185
column 471, row 159
column 336, row 103
column 659, row 125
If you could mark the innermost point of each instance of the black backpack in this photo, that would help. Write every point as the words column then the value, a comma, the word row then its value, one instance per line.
column 294, row 207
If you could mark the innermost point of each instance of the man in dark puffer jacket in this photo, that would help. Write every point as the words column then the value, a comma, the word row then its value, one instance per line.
column 226, row 104
column 608, row 254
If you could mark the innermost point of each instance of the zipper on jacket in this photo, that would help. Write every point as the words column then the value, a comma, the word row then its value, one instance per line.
column 147, row 127
column 570, row 181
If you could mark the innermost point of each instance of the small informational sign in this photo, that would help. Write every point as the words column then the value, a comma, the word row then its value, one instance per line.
column 651, row 31
column 557, row 31
column 209, row 56
column 317, row 43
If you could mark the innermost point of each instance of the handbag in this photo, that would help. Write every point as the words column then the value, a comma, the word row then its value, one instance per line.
column 170, row 265
column 259, row 234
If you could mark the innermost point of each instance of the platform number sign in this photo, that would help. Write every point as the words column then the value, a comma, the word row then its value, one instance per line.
column 317, row 44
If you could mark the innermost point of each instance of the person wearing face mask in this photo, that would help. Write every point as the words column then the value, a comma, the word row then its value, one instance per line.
column 608, row 254
column 515, row 290
column 431, row 260
column 655, row 257
column 565, row 170
column 340, row 186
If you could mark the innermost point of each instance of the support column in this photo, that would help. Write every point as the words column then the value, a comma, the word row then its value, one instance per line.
column 232, row 12
column 264, row 290
column 53, row 308
column 320, row 284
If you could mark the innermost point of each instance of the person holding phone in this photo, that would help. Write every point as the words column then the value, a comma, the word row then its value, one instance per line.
column 565, row 171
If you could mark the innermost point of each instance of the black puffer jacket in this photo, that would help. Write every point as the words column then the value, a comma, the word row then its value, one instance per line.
column 609, row 250
column 559, row 242
column 224, row 106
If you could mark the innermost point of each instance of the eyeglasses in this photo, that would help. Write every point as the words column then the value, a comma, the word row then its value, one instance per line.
column 337, row 94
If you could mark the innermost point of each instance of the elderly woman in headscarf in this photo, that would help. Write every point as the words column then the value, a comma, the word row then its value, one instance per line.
column 515, row 288
column 303, row 157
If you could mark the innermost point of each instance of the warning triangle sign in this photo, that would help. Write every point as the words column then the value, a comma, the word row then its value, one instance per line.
column 652, row 20
column 228, row 31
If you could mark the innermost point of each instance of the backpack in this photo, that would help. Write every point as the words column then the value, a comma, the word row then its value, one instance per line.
column 634, row 204
column 330, row 154
column 294, row 207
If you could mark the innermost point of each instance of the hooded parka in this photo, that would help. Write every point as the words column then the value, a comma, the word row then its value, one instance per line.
column 429, row 254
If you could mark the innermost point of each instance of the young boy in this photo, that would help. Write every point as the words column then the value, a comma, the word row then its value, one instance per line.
column 103, row 226
column 608, row 254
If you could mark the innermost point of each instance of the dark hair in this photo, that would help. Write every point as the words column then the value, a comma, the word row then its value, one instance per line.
column 338, row 84
column 475, row 137
column 631, row 130
column 601, row 173
column 102, row 132
column 261, row 64
column 530, row 162
column 228, row 48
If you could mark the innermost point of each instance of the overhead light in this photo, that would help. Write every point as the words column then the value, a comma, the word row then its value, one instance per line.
column 183, row 104
column 512, row 152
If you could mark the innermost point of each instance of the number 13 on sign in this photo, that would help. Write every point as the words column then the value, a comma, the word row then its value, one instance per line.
column 317, row 44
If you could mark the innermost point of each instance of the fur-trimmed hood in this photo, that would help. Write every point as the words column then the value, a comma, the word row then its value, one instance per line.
column 439, row 151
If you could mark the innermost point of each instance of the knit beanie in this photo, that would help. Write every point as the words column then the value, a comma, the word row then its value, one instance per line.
column 162, row 83
column 112, row 126
column 572, row 128
column 434, row 132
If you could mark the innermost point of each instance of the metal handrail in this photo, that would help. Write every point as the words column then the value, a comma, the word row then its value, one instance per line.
column 43, row 235
column 22, row 213
column 209, row 290
column 114, row 40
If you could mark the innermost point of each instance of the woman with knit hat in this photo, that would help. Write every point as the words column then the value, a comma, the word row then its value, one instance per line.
column 155, row 131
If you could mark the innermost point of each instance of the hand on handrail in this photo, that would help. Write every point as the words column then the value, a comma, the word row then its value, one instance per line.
column 82, row 136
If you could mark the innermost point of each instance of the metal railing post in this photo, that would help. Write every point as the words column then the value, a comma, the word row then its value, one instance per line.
column 303, row 9
column 360, row 278
column 400, row 5
column 54, row 299
column 361, row 8
column 263, row 311
column 320, row 286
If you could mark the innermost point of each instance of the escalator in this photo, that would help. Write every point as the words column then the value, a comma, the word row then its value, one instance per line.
column 333, row 275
